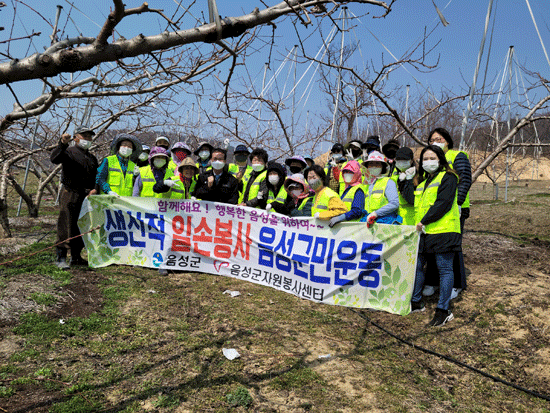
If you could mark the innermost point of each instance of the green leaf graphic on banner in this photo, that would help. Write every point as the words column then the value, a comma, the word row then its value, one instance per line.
column 374, row 303
column 397, row 306
column 396, row 275
column 386, row 280
column 381, row 295
column 387, row 267
column 403, row 287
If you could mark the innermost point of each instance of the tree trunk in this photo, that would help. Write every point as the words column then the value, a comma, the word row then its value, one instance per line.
column 4, row 221
column 32, row 207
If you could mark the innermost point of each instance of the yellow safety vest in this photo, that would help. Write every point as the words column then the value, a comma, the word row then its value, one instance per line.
column 178, row 190
column 406, row 210
column 341, row 177
column 348, row 199
column 148, row 181
column 321, row 200
column 450, row 156
column 281, row 196
column 254, row 188
column 424, row 198
column 377, row 199
column 118, row 181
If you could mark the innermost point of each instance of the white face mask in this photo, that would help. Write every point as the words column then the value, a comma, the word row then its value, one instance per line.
column 84, row 144
column 204, row 155
column 442, row 145
column 159, row 162
column 143, row 157
column 124, row 151
column 431, row 165
column 273, row 179
column 296, row 193
column 217, row 165
column 375, row 171
column 402, row 165
column 348, row 177
column 258, row 167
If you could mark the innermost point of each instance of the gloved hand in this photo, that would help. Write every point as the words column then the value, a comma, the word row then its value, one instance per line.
column 136, row 170
column 459, row 211
column 410, row 172
column 169, row 182
column 113, row 193
column 268, row 207
column 349, row 155
column 316, row 215
column 371, row 219
column 402, row 176
column 338, row 218
column 225, row 143
column 193, row 198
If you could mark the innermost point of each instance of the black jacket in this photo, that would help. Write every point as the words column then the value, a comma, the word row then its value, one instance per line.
column 226, row 190
column 79, row 167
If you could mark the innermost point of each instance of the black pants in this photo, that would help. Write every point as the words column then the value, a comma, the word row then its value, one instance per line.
column 70, row 203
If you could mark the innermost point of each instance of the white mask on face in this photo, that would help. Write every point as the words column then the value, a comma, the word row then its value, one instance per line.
column 258, row 167
column 348, row 177
column 273, row 179
column 402, row 165
column 159, row 162
column 84, row 144
column 431, row 165
column 217, row 165
column 442, row 145
column 296, row 193
column 375, row 171
column 124, row 151
column 204, row 155
column 143, row 157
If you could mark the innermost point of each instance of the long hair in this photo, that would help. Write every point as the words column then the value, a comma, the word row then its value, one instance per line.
column 446, row 135
column 443, row 164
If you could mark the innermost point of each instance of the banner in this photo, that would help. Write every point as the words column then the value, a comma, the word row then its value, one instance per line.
column 349, row 265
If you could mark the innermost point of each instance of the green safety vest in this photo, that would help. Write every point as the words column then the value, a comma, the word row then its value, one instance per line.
column 172, row 167
column 450, row 156
column 254, row 188
column 178, row 190
column 406, row 210
column 377, row 199
column 119, row 182
column 348, row 199
column 424, row 198
column 281, row 196
column 148, row 181
column 321, row 200
column 341, row 177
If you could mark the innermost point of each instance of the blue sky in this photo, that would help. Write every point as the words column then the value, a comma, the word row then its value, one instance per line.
column 458, row 46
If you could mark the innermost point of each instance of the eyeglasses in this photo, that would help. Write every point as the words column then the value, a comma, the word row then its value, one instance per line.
column 439, row 139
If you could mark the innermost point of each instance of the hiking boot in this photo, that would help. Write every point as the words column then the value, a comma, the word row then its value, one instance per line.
column 441, row 317
column 62, row 264
column 428, row 290
column 417, row 306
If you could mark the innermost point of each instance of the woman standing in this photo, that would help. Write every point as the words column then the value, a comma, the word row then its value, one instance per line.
column 438, row 220
column 326, row 203
column 353, row 195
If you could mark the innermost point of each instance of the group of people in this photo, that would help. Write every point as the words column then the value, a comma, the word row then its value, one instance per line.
column 361, row 182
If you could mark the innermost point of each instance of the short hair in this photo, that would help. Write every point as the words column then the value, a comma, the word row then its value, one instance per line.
column 220, row 150
column 260, row 153
column 319, row 171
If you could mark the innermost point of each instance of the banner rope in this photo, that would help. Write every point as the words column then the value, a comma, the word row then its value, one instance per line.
column 451, row 360
column 50, row 247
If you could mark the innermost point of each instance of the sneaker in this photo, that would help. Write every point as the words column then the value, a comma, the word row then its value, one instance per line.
column 441, row 317
column 455, row 293
column 428, row 291
column 417, row 306
column 163, row 271
column 62, row 264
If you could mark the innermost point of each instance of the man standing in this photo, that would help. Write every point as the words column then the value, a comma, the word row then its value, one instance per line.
column 217, row 184
column 79, row 168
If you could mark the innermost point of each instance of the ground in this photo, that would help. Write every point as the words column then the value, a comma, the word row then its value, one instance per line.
column 127, row 339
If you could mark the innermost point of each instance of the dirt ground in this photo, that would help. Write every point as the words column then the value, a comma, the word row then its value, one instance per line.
column 501, row 326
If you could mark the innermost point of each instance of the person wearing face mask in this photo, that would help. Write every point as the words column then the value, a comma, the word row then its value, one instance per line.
column 79, row 169
column 353, row 151
column 300, row 197
column 240, row 167
column 296, row 165
column 371, row 144
column 381, row 197
column 187, row 175
column 155, row 179
column 115, row 175
column 335, row 161
column 276, row 195
column 403, row 175
column 326, row 203
column 178, row 153
column 353, row 196
column 390, row 150
column 438, row 220
column 204, row 153
column 458, row 160
column 254, row 189
column 217, row 184
column 143, row 158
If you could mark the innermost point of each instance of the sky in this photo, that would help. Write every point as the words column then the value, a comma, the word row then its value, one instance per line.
column 456, row 45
